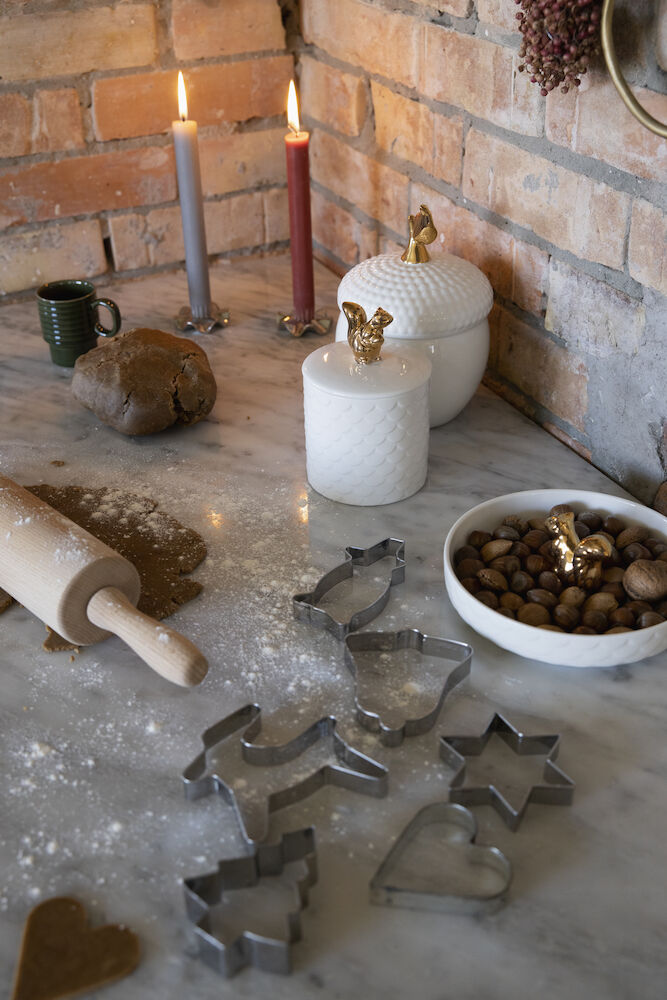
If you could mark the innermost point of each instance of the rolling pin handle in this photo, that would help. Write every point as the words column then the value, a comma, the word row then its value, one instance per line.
column 167, row 652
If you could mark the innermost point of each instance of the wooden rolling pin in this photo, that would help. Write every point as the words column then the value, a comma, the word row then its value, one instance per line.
column 81, row 588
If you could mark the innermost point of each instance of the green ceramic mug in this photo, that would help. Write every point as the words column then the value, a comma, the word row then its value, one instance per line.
column 68, row 315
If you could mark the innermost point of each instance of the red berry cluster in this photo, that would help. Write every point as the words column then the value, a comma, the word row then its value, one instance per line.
column 560, row 37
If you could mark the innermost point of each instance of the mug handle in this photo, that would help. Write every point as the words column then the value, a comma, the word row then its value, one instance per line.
column 115, row 317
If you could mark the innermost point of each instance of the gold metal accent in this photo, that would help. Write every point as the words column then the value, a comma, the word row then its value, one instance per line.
column 364, row 336
column 320, row 323
column 422, row 231
column 619, row 81
column 205, row 324
column 578, row 561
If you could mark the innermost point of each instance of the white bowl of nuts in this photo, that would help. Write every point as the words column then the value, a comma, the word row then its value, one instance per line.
column 505, row 576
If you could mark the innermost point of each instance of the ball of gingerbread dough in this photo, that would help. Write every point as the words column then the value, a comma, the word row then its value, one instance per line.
column 145, row 380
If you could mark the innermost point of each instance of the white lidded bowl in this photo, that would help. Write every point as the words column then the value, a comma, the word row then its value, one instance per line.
column 543, row 644
column 439, row 310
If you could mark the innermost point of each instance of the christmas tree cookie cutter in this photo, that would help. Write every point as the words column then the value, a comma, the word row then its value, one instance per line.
column 427, row 645
column 306, row 606
column 421, row 891
column 555, row 789
column 228, row 955
column 351, row 769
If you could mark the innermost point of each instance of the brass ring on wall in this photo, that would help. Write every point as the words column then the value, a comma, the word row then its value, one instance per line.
column 621, row 84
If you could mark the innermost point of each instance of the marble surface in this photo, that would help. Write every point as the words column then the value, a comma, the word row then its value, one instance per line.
column 91, row 802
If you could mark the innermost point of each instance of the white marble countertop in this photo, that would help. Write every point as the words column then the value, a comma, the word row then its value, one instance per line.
column 91, row 802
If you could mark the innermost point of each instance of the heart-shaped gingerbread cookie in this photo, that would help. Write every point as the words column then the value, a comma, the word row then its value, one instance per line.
column 61, row 956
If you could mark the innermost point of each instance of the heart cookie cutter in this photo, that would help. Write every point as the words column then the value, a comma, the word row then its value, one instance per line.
column 249, row 948
column 385, row 890
column 427, row 645
column 306, row 606
column 352, row 770
column 556, row 789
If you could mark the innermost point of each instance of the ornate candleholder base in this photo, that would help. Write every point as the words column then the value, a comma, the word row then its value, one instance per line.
column 320, row 323
column 204, row 324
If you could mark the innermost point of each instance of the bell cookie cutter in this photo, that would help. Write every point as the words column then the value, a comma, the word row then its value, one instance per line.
column 385, row 890
column 250, row 948
column 353, row 770
column 306, row 607
column 557, row 789
column 427, row 645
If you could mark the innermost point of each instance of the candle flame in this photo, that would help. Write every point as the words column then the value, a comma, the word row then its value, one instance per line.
column 182, row 99
column 292, row 108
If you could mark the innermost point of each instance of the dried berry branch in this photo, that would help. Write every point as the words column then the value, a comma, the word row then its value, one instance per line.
column 560, row 38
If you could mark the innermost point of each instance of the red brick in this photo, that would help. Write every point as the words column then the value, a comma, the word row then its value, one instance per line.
column 15, row 125
column 647, row 260
column 382, row 41
column 591, row 316
column 147, row 103
column 379, row 191
column 156, row 237
column 77, row 185
column 330, row 96
column 57, row 123
column 37, row 46
column 501, row 13
column 570, row 210
column 339, row 233
column 49, row 253
column 594, row 121
column 480, row 77
column 201, row 28
column 542, row 370
column 242, row 160
column 415, row 133
column 566, row 439
column 517, row 271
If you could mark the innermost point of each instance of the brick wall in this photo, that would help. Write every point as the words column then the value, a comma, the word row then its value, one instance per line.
column 561, row 202
column 88, row 94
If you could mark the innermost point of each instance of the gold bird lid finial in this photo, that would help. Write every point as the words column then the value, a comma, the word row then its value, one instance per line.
column 422, row 231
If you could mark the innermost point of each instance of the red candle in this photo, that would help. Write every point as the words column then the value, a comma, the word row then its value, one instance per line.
column 298, row 192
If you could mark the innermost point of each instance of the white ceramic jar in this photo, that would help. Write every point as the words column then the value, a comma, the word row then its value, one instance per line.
column 367, row 425
column 440, row 308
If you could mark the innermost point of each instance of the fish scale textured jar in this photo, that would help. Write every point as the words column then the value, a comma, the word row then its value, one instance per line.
column 440, row 308
column 366, row 425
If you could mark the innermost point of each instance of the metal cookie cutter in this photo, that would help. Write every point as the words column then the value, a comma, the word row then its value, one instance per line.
column 306, row 605
column 427, row 645
column 352, row 770
column 418, row 891
column 557, row 789
column 229, row 956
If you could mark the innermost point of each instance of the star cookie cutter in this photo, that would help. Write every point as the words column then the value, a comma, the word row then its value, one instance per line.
column 306, row 608
column 557, row 789
column 352, row 770
column 229, row 956
column 427, row 645
column 419, row 893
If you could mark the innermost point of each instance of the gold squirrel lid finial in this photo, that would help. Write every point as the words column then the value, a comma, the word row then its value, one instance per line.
column 422, row 231
column 364, row 336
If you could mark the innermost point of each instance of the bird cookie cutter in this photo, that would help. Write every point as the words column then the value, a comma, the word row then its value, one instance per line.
column 352, row 770
column 305, row 606
column 421, row 893
column 229, row 956
column 556, row 789
column 427, row 645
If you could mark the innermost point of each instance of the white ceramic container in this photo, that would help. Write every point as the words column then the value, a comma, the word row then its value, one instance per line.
column 540, row 644
column 366, row 425
column 440, row 308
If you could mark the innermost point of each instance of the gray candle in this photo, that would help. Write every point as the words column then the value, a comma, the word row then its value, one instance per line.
column 192, row 207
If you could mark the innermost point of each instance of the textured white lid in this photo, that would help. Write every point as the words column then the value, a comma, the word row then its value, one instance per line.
column 441, row 297
column 333, row 369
